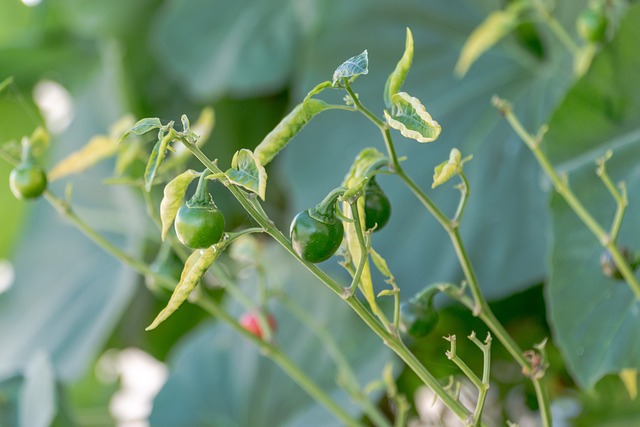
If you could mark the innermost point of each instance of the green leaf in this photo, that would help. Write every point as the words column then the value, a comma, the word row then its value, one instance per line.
column 214, row 357
column 155, row 160
column 143, row 126
column 411, row 118
column 493, row 29
column 223, row 44
column 288, row 127
column 37, row 405
column 194, row 270
column 595, row 319
column 174, row 193
column 512, row 217
column 352, row 68
column 247, row 172
column 396, row 79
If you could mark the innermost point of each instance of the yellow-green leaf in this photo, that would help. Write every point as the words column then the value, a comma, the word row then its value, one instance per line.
column 248, row 172
column 155, row 160
column 447, row 170
column 288, row 127
column 97, row 149
column 397, row 77
column 495, row 26
column 410, row 117
column 5, row 83
column 204, row 125
column 174, row 193
column 194, row 270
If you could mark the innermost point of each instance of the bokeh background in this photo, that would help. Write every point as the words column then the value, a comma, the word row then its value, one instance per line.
column 73, row 350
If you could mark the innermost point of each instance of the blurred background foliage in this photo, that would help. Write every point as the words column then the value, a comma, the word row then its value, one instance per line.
column 70, row 303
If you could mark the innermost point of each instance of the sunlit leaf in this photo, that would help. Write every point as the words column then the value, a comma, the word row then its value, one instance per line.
column 448, row 169
column 97, row 149
column 195, row 268
column 288, row 127
column 495, row 26
column 396, row 78
column 410, row 117
column 629, row 378
column 174, row 193
column 246, row 171
column 352, row 67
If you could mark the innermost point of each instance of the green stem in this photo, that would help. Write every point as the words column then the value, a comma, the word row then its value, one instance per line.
column 562, row 187
column 481, row 307
column 557, row 29
column 387, row 337
column 276, row 354
column 339, row 359
column 364, row 249
column 464, row 196
column 287, row 365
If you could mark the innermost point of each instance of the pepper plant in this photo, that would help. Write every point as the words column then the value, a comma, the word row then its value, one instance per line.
column 341, row 229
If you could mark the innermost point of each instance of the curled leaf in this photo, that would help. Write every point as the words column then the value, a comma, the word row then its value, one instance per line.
column 247, row 172
column 143, row 126
column 288, row 127
column 410, row 117
column 447, row 170
column 194, row 270
column 396, row 78
column 352, row 67
column 174, row 193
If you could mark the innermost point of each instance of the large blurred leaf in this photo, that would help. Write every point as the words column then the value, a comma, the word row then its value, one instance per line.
column 217, row 47
column 505, row 220
column 68, row 293
column 596, row 320
column 218, row 378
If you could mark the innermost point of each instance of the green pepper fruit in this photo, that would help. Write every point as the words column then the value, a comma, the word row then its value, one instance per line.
column 592, row 24
column 199, row 224
column 377, row 208
column 316, row 234
column 418, row 317
column 28, row 181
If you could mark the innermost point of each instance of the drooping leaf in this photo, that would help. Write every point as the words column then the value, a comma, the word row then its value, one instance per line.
column 352, row 68
column 410, row 117
column 194, row 270
column 493, row 29
column 396, row 78
column 143, row 126
column 174, row 193
column 155, row 160
column 246, row 171
column 596, row 319
column 288, row 127
column 362, row 164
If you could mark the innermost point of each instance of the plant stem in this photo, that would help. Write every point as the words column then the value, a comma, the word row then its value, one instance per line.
column 287, row 365
column 391, row 340
column 481, row 307
column 275, row 353
column 562, row 187
column 557, row 29
column 339, row 359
